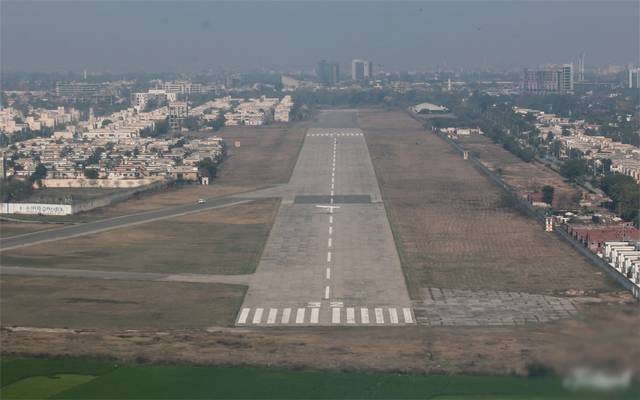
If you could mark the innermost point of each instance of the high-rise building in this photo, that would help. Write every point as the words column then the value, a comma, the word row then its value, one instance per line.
column 553, row 79
column 580, row 71
column 633, row 78
column 361, row 70
column 328, row 73
column 77, row 89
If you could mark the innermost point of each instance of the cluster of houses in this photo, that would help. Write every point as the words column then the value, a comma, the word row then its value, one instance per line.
column 255, row 112
column 68, row 161
column 572, row 135
column 624, row 256
column 14, row 121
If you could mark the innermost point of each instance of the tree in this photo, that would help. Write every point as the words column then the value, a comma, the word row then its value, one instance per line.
column 106, row 122
column 207, row 167
column 91, row 173
column 625, row 193
column 39, row 174
column 547, row 194
column 574, row 169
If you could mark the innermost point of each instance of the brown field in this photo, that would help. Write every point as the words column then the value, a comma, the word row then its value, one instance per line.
column 223, row 241
column 100, row 304
column 524, row 177
column 452, row 226
column 588, row 340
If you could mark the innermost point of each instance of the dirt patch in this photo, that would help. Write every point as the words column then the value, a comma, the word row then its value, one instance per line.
column 522, row 176
column 222, row 241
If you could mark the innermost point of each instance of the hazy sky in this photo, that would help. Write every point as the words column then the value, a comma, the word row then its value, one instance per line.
column 120, row 36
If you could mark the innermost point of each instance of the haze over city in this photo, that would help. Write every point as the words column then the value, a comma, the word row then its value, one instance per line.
column 319, row 199
column 119, row 36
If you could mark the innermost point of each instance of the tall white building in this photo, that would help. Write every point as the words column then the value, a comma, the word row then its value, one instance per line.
column 361, row 70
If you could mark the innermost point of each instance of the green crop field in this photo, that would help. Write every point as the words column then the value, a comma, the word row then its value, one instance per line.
column 83, row 379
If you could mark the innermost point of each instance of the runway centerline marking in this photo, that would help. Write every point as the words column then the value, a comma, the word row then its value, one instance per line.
column 328, row 256
column 330, row 219
column 327, row 291
column 330, row 230
column 328, row 273
column 329, row 243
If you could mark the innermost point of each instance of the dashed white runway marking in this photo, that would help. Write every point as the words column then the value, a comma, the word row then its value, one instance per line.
column 327, row 292
column 300, row 316
column 286, row 315
column 328, row 256
column 329, row 242
column 257, row 316
column 315, row 312
column 330, row 229
column 332, row 187
column 408, row 318
column 351, row 316
column 243, row 315
column 379, row 316
column 328, row 273
column 335, row 316
column 271, row 318
column 331, row 219
column 364, row 315
column 393, row 315
column 332, row 192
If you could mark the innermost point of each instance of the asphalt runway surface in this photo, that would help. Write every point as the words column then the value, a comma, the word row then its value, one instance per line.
column 324, row 266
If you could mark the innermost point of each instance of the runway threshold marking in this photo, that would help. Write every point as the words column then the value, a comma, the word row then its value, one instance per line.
column 364, row 315
column 300, row 316
column 407, row 315
column 286, row 315
column 315, row 313
column 335, row 316
column 271, row 318
column 257, row 317
column 351, row 317
column 393, row 315
column 243, row 315
column 379, row 316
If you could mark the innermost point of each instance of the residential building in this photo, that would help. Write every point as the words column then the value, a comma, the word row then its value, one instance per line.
column 361, row 70
column 552, row 79
column 328, row 73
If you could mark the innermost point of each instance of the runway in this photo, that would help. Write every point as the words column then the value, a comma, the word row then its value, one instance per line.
column 330, row 266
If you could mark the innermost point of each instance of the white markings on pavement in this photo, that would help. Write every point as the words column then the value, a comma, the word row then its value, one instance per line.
column 331, row 227
column 315, row 312
column 271, row 318
column 330, row 219
column 327, row 291
column 408, row 318
column 364, row 315
column 335, row 316
column 300, row 316
column 393, row 315
column 328, row 256
column 379, row 316
column 243, row 315
column 328, row 273
column 329, row 242
column 286, row 314
column 351, row 317
column 257, row 317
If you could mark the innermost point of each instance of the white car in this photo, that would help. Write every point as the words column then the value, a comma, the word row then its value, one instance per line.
column 201, row 201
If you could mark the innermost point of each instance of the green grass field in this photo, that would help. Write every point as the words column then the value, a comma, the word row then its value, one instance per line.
column 85, row 379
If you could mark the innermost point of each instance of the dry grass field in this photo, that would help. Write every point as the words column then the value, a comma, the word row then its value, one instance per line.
column 524, row 177
column 100, row 304
column 9, row 228
column 453, row 228
column 223, row 241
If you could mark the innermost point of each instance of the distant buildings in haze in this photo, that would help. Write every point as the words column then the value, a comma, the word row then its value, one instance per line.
column 361, row 70
column 328, row 73
column 551, row 79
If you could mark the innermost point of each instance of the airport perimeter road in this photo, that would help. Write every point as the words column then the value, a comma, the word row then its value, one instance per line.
column 324, row 266
column 118, row 222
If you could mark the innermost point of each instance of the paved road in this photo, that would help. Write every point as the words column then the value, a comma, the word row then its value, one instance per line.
column 119, row 222
column 330, row 268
